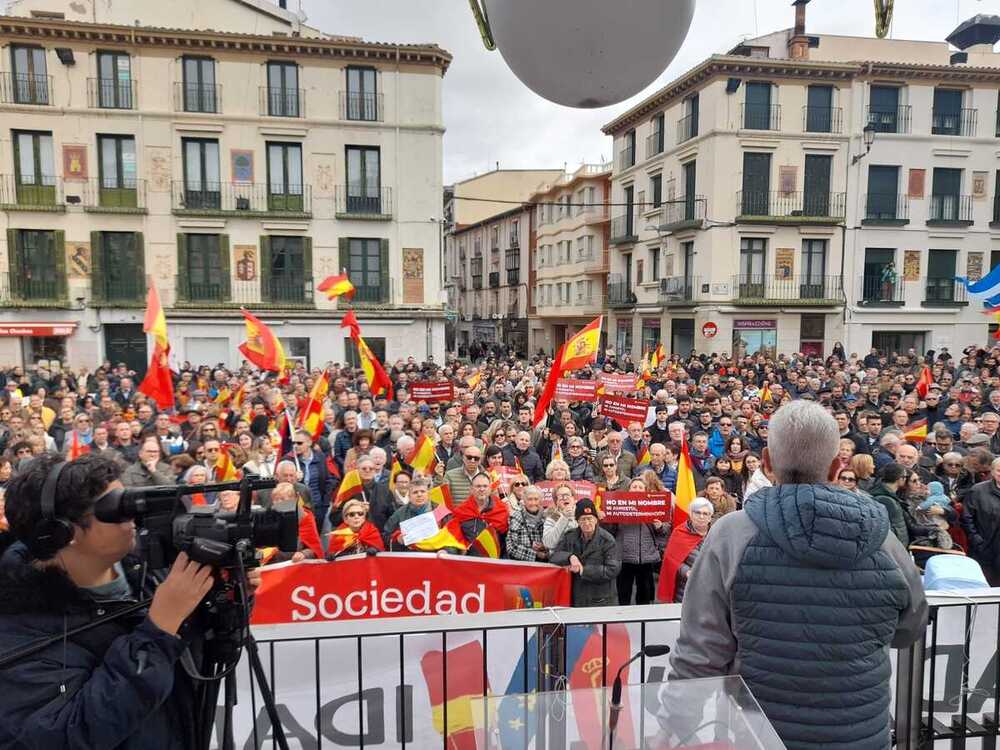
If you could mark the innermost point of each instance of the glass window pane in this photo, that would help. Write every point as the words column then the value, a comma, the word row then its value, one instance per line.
column 207, row 70
column 109, row 163
column 26, row 158
column 291, row 77
column 368, row 81
column 212, row 164
column 106, row 67
column 354, row 170
column 20, row 61
column 129, row 172
column 276, row 167
column 294, row 169
column 46, row 158
column 192, row 164
column 353, row 80
column 38, row 61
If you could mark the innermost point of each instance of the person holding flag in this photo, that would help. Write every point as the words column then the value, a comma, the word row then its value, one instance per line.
column 482, row 519
column 356, row 535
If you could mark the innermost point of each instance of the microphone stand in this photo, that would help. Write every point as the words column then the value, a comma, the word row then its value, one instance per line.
column 651, row 651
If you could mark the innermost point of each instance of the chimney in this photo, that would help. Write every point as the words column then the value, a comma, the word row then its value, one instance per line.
column 798, row 45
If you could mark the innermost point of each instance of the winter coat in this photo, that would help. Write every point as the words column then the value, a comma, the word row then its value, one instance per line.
column 982, row 506
column 124, row 686
column 802, row 595
column 531, row 463
column 595, row 586
column 580, row 468
column 897, row 519
column 554, row 525
column 641, row 543
column 137, row 475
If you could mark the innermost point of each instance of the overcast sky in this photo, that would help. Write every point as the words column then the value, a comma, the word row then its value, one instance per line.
column 491, row 117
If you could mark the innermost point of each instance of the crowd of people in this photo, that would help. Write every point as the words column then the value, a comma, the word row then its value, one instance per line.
column 919, row 435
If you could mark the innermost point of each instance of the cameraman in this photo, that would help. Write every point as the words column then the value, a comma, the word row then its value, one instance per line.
column 120, row 684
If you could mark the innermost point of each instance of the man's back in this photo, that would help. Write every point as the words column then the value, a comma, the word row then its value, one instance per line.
column 800, row 595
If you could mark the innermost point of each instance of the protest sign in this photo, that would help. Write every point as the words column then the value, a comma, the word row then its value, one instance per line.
column 624, row 409
column 418, row 528
column 432, row 392
column 576, row 390
column 582, row 490
column 636, row 507
column 615, row 383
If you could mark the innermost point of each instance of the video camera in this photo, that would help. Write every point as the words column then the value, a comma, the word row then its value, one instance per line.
column 167, row 527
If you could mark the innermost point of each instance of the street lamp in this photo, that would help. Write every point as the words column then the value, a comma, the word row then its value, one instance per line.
column 869, row 138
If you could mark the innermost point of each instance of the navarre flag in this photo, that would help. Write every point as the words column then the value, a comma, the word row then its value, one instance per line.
column 351, row 486
column 686, row 492
column 925, row 382
column 310, row 417
column 337, row 286
column 378, row 379
column 262, row 347
column 916, row 432
column 225, row 470
column 424, row 459
column 452, row 699
column 342, row 539
column 350, row 322
column 581, row 350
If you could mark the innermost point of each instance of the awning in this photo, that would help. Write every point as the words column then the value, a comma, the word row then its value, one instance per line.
column 37, row 329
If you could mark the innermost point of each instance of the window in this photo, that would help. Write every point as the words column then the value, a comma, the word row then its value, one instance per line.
column 756, row 184
column 365, row 265
column 941, row 275
column 819, row 110
column 35, row 170
column 284, row 177
column 880, row 283
column 690, row 189
column 812, row 333
column 753, row 262
column 687, row 258
column 816, row 182
column 629, row 211
column 758, row 113
column 515, row 233
column 638, row 271
column 29, row 75
column 688, row 126
column 656, row 189
column 884, row 111
column 947, row 115
column 627, row 262
column 117, row 170
column 375, row 343
column 364, row 180
column 362, row 94
column 513, row 267
column 202, row 183
column 283, row 90
column 996, row 201
column 628, row 150
column 812, row 283
column 117, row 266
column 883, row 193
column 495, row 243
column 38, row 265
column 654, row 264
column 286, row 265
column 655, row 145
column 200, row 94
column 114, row 80
column 203, row 270
column 947, row 202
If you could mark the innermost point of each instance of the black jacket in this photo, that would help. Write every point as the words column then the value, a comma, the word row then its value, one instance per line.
column 124, row 687
column 531, row 463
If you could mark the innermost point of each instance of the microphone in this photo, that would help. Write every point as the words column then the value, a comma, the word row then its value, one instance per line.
column 652, row 650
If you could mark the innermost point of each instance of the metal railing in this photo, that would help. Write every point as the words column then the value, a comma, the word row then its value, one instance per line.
column 45, row 192
column 875, row 291
column 620, row 292
column 654, row 143
column 945, row 291
column 751, row 289
column 19, row 287
column 822, row 119
column 106, row 93
column 513, row 276
column 273, row 291
column 107, row 291
column 373, row 294
column 623, row 229
column 678, row 290
column 282, row 102
column 128, row 195
column 950, row 209
column 242, row 197
column 960, row 122
column 760, row 117
column 626, row 158
column 687, row 128
column 363, row 107
column 358, row 202
column 887, row 207
column 792, row 205
column 25, row 89
column 684, row 210
column 891, row 120
column 197, row 97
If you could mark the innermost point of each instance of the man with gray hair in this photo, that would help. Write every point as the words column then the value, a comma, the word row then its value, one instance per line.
column 801, row 594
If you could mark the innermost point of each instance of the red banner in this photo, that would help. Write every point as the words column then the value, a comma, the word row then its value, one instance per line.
column 614, row 383
column 636, row 507
column 582, row 490
column 432, row 392
column 624, row 410
column 404, row 584
column 576, row 390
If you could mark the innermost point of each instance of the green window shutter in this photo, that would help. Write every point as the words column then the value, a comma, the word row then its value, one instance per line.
column 139, row 255
column 307, row 267
column 265, row 268
column 226, row 268
column 183, row 288
column 14, row 273
column 97, row 279
column 59, row 261
column 383, row 261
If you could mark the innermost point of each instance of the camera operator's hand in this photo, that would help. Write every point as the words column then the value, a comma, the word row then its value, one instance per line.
column 176, row 598
column 255, row 577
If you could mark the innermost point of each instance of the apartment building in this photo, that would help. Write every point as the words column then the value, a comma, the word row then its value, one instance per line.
column 752, row 196
column 569, row 255
column 237, row 168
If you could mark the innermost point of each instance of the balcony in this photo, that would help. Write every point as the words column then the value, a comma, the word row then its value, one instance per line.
column 679, row 290
column 822, row 119
column 494, row 279
column 760, row 206
column 361, row 107
column 17, row 289
column 373, row 295
column 513, row 276
column 197, row 97
column 282, row 102
column 626, row 158
column 25, row 89
column 687, row 128
column 760, row 116
column 591, row 260
column 961, row 122
column 620, row 292
column 104, row 196
column 878, row 293
column 103, row 93
column 280, row 292
column 654, row 143
column 890, row 120
column 684, row 213
column 362, row 204
column 945, row 292
column 886, row 210
column 129, row 292
column 46, row 194
column 241, row 199
column 950, row 211
column 622, row 230
column 760, row 289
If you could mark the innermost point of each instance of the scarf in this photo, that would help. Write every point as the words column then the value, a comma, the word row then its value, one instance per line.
column 342, row 540
column 682, row 541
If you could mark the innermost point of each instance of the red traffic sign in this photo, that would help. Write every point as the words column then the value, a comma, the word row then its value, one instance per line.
column 709, row 330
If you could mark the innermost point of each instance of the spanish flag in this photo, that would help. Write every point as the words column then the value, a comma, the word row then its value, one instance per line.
column 310, row 417
column 238, row 398
column 378, row 379
column 916, row 432
column 342, row 539
column 473, row 380
column 453, row 697
column 223, row 396
column 441, row 496
column 350, row 322
column 155, row 321
column 396, row 468
column 658, row 356
column 158, row 383
column 262, row 347
column 351, row 486
column 643, row 459
column 225, row 471
column 337, row 286
column 925, row 382
column 424, row 459
column 581, row 350
column 686, row 492
column 446, row 538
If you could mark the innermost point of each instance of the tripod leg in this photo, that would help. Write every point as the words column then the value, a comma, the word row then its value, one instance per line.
column 227, row 742
column 265, row 692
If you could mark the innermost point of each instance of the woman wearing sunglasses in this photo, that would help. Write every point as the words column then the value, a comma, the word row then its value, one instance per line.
column 356, row 535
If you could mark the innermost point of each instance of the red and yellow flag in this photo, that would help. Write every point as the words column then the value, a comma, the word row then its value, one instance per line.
column 424, row 459
column 685, row 493
column 223, row 396
column 658, row 356
column 466, row 682
column 155, row 321
column 310, row 417
column 337, row 286
column 378, row 379
column 158, row 383
column 343, row 539
column 643, row 459
column 916, row 432
column 474, row 380
column 350, row 322
column 447, row 537
column 581, row 350
column 262, row 347
column 225, row 470
column 351, row 486
column 394, row 472
column 925, row 382
column 440, row 496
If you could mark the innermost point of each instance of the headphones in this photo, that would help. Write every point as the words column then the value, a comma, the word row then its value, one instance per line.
column 52, row 533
